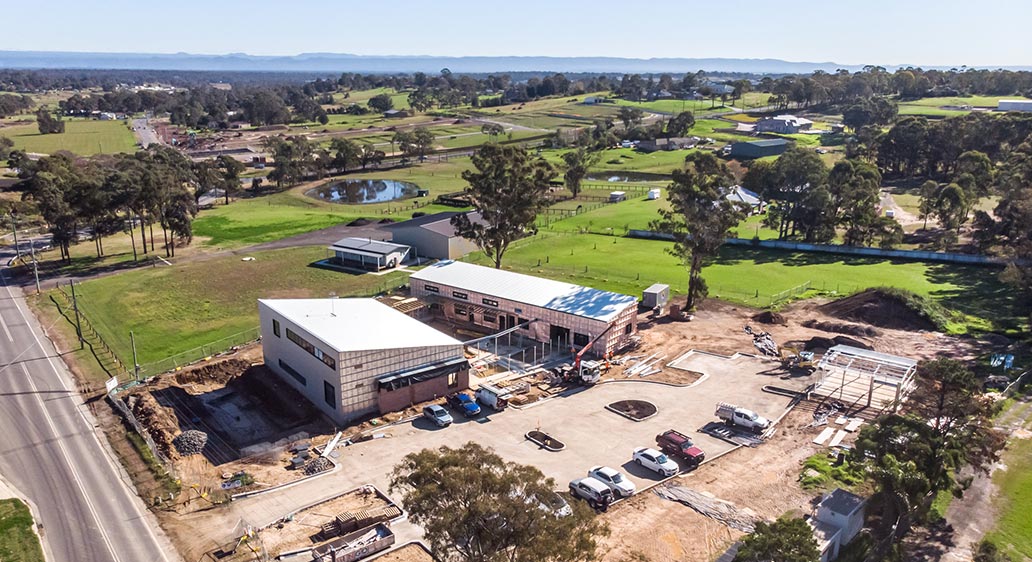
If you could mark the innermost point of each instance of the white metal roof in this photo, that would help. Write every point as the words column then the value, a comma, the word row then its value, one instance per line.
column 367, row 246
column 527, row 289
column 358, row 324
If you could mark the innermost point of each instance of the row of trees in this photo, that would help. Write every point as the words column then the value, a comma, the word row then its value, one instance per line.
column 297, row 158
column 103, row 195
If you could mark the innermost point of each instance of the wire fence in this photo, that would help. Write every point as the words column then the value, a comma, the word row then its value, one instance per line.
column 112, row 347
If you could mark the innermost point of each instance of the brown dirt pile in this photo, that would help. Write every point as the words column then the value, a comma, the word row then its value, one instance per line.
column 878, row 309
column 161, row 422
column 768, row 317
column 220, row 372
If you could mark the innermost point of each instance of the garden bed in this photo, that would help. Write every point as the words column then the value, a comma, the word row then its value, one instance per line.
column 546, row 441
column 635, row 410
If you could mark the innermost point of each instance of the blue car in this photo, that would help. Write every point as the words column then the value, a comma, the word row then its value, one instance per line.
column 462, row 402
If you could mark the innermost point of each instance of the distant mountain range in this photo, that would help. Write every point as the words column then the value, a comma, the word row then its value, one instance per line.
column 335, row 63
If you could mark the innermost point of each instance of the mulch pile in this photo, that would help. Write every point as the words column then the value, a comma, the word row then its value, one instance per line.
column 360, row 222
column 878, row 309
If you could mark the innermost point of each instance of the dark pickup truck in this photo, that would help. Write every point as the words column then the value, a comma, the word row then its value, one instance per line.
column 675, row 443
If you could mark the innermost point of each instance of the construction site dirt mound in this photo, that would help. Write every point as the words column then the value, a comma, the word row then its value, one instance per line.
column 878, row 308
column 360, row 222
column 218, row 372
column 820, row 344
column 768, row 317
column 160, row 422
column 842, row 328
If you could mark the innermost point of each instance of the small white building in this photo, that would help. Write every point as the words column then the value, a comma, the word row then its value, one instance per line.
column 365, row 253
column 838, row 520
column 356, row 357
column 1014, row 105
column 541, row 309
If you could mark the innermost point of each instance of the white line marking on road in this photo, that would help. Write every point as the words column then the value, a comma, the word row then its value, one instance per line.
column 4, row 324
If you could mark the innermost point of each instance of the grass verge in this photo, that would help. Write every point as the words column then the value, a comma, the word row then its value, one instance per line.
column 820, row 473
column 18, row 541
column 1013, row 531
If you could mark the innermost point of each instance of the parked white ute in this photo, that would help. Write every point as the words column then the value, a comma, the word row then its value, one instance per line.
column 597, row 494
column 614, row 479
column 655, row 461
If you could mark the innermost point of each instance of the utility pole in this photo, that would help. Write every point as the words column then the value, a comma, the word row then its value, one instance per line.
column 14, row 227
column 35, row 269
column 78, row 325
column 136, row 364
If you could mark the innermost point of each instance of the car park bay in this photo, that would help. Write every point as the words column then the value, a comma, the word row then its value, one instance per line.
column 593, row 435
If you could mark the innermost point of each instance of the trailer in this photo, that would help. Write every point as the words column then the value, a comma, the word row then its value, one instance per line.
column 356, row 546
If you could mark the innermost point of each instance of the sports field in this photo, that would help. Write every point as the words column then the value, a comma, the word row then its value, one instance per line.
column 751, row 276
column 82, row 137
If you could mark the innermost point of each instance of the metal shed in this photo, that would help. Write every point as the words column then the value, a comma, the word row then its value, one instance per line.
column 656, row 296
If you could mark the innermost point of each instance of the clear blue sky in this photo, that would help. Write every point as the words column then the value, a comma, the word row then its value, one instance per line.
column 921, row 32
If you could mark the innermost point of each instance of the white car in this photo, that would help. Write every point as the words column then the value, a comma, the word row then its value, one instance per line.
column 614, row 479
column 655, row 461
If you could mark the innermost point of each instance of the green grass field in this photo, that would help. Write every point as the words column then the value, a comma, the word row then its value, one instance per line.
column 751, row 276
column 279, row 215
column 174, row 309
column 1014, row 525
column 751, row 99
column 934, row 107
column 18, row 542
column 82, row 137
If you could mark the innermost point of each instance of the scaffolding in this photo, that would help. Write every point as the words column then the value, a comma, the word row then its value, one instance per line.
column 853, row 375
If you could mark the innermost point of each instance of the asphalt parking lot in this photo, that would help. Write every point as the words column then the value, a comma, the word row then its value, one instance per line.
column 593, row 435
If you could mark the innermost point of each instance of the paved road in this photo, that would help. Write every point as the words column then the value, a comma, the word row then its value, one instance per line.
column 145, row 134
column 50, row 452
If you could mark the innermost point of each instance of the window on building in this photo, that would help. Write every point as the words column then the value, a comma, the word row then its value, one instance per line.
column 580, row 339
column 330, row 394
column 453, row 380
column 490, row 318
column 523, row 321
column 304, row 344
column 490, row 302
column 628, row 329
column 293, row 373
column 431, row 289
column 460, row 295
column 461, row 309
column 275, row 328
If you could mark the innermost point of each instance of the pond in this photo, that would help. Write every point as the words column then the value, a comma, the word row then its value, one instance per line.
column 354, row 191
column 626, row 177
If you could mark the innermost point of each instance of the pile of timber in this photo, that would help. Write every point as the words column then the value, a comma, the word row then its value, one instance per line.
column 348, row 521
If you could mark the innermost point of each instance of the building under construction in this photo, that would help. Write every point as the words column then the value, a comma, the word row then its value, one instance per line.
column 540, row 309
column 861, row 378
